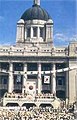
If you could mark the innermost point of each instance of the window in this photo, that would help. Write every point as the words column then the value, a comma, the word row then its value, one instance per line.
column 59, row 81
column 34, row 31
column 18, row 66
column 46, row 66
column 28, row 32
column 5, row 66
column 32, row 66
column 41, row 32
column 18, row 79
column 4, row 79
column 60, row 65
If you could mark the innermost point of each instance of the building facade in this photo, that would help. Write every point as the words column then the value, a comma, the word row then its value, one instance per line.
column 30, row 65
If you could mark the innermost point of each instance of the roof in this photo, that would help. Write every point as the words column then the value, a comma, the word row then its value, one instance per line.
column 35, row 12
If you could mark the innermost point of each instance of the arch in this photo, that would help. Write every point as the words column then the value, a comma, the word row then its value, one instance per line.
column 17, row 91
column 60, row 94
column 28, row 105
column 45, row 105
column 46, row 91
column 12, row 104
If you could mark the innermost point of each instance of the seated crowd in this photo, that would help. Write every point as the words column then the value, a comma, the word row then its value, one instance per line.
column 35, row 113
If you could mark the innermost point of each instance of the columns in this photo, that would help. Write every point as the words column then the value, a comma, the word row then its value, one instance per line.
column 53, row 80
column 39, row 78
column 67, row 88
column 31, row 32
column 11, row 79
column 24, row 78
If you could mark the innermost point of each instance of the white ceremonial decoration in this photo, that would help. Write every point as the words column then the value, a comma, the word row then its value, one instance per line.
column 47, row 79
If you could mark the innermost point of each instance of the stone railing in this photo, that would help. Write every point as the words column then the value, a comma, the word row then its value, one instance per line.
column 33, row 52
column 37, row 96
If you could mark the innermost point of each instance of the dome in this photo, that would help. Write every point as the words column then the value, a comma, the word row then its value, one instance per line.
column 35, row 12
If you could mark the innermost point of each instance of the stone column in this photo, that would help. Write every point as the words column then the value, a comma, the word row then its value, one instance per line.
column 31, row 32
column 53, row 80
column 38, row 32
column 24, row 78
column 39, row 78
column 67, row 88
column 11, row 79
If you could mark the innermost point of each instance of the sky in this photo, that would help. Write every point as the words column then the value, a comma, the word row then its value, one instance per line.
column 62, row 12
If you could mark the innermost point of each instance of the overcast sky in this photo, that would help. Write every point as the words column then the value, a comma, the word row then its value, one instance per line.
column 62, row 12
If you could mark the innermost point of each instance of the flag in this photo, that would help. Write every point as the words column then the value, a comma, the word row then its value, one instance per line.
column 47, row 79
column 31, row 87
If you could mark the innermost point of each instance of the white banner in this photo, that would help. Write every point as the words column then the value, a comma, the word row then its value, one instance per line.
column 47, row 79
column 18, row 78
column 31, row 87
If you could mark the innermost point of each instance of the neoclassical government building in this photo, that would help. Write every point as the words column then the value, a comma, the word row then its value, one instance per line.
column 34, row 65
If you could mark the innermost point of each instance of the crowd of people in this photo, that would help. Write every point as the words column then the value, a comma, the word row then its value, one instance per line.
column 20, row 95
column 35, row 113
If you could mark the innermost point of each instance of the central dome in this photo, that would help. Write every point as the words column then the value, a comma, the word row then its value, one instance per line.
column 35, row 12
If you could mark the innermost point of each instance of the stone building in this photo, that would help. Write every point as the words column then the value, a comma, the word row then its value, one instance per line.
column 28, row 66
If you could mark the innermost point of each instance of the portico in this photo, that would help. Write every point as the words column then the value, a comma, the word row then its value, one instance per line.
column 32, row 72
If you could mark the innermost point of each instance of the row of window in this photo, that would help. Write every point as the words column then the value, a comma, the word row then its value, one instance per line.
column 35, row 31
column 31, row 50
column 23, row 51
column 32, row 66
column 60, row 50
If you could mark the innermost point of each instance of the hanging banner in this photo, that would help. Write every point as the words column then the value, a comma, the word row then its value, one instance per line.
column 18, row 78
column 47, row 79
column 31, row 87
